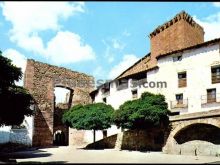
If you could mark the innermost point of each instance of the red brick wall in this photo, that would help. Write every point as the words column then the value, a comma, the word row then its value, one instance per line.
column 179, row 35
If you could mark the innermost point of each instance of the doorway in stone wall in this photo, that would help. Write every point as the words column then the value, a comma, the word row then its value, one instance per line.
column 62, row 102
column 59, row 138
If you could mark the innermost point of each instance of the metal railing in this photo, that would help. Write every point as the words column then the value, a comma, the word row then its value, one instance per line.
column 182, row 82
column 207, row 99
column 179, row 104
column 215, row 78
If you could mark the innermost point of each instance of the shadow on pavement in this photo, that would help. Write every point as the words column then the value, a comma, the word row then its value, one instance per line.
column 52, row 162
column 11, row 157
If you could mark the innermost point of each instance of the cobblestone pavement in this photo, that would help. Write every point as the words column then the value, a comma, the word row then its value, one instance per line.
column 73, row 155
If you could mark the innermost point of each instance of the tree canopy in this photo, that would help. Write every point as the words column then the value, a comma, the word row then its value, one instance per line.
column 148, row 111
column 15, row 101
column 97, row 116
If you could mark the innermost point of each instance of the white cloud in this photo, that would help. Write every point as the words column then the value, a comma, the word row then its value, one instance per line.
column 211, row 26
column 216, row 4
column 126, row 62
column 68, row 47
column 112, row 47
column 117, row 44
column 18, row 60
column 31, row 43
column 30, row 18
column 27, row 17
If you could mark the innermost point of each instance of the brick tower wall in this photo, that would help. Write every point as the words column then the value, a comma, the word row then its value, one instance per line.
column 180, row 32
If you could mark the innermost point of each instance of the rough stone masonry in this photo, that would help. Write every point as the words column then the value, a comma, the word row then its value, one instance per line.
column 40, row 79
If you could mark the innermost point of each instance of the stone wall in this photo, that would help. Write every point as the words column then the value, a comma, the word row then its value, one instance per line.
column 41, row 79
column 142, row 140
column 194, row 134
column 180, row 32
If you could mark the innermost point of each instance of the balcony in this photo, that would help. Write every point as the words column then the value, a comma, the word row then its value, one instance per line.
column 122, row 86
column 215, row 78
column 208, row 99
column 139, row 82
column 179, row 104
column 182, row 82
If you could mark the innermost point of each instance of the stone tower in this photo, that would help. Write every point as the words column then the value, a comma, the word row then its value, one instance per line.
column 180, row 32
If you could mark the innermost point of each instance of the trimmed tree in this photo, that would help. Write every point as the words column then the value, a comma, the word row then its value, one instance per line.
column 15, row 101
column 97, row 116
column 150, row 110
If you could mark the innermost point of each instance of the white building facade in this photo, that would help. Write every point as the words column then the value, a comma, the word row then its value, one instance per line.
column 187, row 73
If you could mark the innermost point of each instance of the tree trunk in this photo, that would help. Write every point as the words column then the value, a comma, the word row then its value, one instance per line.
column 93, row 136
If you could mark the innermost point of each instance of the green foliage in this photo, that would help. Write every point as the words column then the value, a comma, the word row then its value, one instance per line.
column 8, row 72
column 148, row 111
column 96, row 116
column 15, row 101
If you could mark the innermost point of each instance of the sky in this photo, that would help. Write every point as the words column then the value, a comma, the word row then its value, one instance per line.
column 101, row 39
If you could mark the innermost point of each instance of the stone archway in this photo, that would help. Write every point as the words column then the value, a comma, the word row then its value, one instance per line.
column 59, row 138
column 40, row 80
column 178, row 142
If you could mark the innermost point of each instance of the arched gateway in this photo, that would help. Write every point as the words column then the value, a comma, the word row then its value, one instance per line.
column 194, row 134
column 40, row 80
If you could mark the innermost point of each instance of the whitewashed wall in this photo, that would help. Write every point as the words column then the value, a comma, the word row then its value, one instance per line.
column 21, row 136
column 196, row 62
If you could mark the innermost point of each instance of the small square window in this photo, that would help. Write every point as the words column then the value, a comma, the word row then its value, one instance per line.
column 134, row 94
column 179, row 98
column 177, row 58
column 182, row 79
column 215, row 74
column 211, row 95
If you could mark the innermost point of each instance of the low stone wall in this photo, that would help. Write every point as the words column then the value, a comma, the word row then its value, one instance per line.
column 108, row 142
column 147, row 140
column 143, row 140
column 197, row 148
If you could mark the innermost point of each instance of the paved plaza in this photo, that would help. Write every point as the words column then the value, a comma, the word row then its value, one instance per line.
column 73, row 155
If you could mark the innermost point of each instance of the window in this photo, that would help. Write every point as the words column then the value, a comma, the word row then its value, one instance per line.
column 182, row 81
column 211, row 95
column 215, row 74
column 104, row 100
column 134, row 94
column 179, row 98
column 177, row 58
